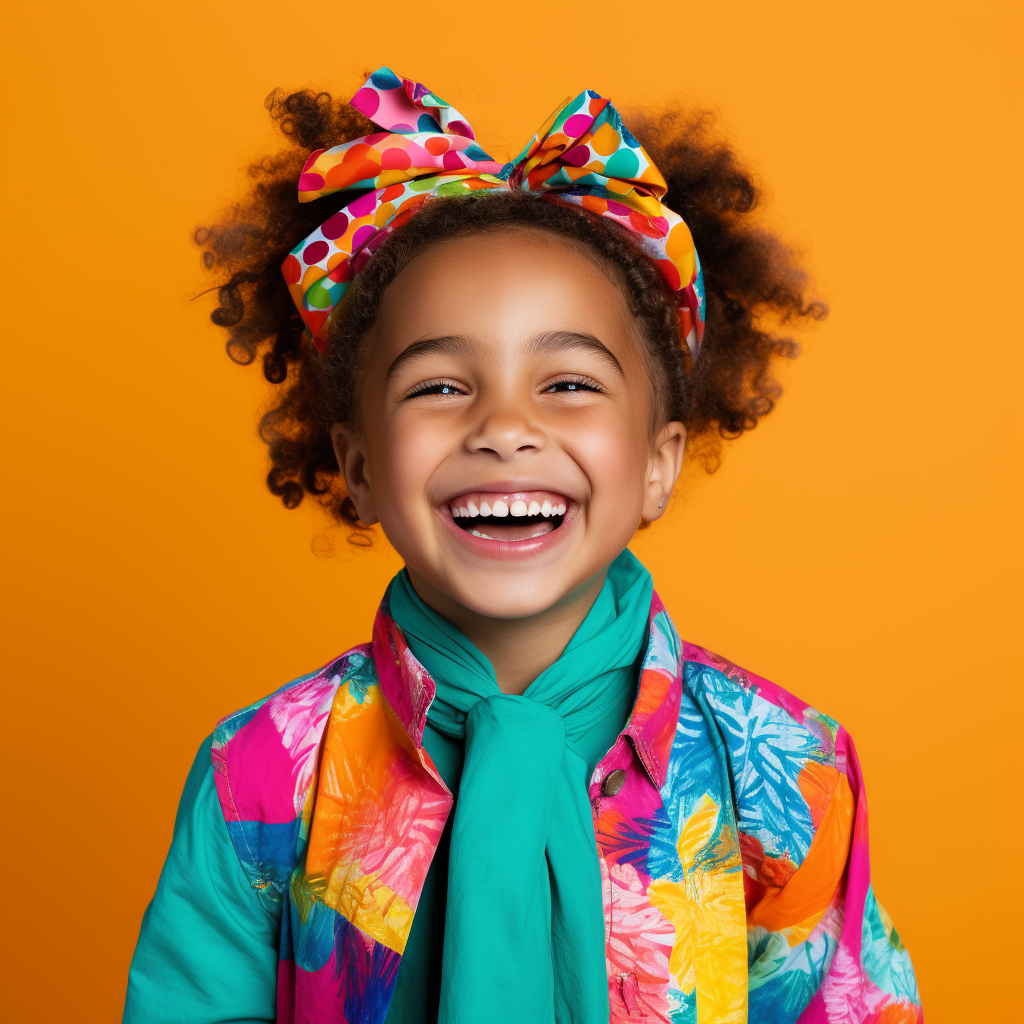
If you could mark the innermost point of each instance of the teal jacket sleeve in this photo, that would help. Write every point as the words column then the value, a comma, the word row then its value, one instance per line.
column 208, row 948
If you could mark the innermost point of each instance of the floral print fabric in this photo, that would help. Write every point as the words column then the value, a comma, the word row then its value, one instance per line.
column 734, row 855
column 583, row 154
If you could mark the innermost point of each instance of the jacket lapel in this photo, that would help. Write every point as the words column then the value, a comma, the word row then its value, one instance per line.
column 670, row 859
column 378, row 814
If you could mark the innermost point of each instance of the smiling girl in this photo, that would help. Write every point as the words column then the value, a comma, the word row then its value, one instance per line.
column 526, row 799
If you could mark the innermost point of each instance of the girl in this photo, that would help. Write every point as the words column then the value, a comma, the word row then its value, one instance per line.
column 526, row 799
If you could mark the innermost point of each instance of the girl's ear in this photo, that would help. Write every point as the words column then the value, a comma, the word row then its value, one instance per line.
column 663, row 469
column 351, row 457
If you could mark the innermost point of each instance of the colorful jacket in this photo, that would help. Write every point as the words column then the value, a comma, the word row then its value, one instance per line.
column 730, row 821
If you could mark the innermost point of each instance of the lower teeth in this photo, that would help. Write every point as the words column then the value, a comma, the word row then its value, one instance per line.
column 477, row 533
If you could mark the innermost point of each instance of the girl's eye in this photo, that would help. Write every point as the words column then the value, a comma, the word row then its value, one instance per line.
column 569, row 385
column 436, row 387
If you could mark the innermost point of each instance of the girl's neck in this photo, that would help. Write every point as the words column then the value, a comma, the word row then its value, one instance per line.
column 518, row 649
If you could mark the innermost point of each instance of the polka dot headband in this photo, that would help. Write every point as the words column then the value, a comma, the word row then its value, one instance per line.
column 583, row 154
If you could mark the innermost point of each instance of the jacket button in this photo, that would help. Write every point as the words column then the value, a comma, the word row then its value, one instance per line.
column 613, row 782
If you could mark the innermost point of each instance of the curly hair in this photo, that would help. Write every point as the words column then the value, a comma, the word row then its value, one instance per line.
column 754, row 287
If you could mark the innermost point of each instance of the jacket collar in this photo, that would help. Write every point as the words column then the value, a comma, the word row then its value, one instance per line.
column 409, row 690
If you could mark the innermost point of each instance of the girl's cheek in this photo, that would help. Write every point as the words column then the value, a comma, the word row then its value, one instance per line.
column 614, row 451
column 410, row 452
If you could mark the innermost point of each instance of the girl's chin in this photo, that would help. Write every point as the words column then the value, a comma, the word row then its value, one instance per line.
column 500, row 599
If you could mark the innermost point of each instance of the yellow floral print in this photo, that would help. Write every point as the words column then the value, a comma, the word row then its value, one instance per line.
column 706, row 909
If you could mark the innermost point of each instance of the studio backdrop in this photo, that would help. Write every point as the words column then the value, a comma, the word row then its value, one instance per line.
column 861, row 547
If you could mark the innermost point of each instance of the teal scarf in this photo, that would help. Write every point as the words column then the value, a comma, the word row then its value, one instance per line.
column 523, row 938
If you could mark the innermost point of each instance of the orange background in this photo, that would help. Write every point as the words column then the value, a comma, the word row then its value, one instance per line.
column 862, row 547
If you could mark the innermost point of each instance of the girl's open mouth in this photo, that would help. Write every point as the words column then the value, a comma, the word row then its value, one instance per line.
column 509, row 517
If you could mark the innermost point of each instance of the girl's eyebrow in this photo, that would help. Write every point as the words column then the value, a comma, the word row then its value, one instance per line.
column 550, row 341
column 449, row 344
column 556, row 341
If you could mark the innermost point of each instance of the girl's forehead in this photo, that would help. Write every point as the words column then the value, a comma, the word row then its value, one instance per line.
column 529, row 243
column 513, row 283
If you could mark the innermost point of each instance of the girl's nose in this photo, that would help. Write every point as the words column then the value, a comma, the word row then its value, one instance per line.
column 505, row 430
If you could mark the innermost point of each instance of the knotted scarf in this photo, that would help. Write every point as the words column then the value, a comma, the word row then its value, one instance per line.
column 524, row 921
column 583, row 154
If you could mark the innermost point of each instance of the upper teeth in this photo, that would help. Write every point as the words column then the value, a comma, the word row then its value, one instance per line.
column 501, row 509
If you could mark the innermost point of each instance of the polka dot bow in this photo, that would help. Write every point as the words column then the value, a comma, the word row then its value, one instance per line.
column 583, row 154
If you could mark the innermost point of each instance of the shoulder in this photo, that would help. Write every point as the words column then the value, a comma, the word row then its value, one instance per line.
column 737, row 695
column 265, row 760
column 789, row 763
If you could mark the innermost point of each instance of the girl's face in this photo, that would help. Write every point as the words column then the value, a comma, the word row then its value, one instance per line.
column 505, row 440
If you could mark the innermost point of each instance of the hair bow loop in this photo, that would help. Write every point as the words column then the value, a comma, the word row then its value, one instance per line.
column 406, row 107
column 424, row 137
column 584, row 142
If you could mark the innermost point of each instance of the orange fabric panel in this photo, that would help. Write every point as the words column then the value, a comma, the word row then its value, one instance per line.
column 796, row 905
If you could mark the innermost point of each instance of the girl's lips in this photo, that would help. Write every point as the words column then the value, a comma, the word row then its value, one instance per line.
column 503, row 549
